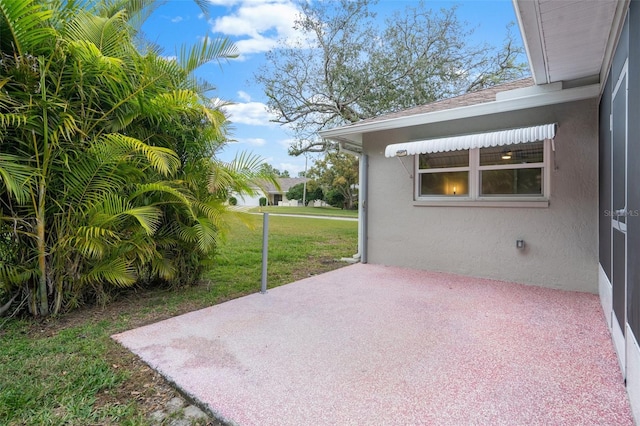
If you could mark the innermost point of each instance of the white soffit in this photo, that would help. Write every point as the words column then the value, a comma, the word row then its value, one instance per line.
column 479, row 140
column 566, row 39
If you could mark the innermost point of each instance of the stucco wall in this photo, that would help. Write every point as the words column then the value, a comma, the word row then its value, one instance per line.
column 561, row 240
column 249, row 201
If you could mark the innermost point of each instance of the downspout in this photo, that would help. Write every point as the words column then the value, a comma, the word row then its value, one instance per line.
column 363, row 178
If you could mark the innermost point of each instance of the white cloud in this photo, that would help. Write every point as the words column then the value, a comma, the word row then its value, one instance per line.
column 251, row 19
column 251, row 113
column 293, row 169
column 177, row 19
column 258, row 44
column 244, row 96
column 286, row 143
column 224, row 2
column 256, row 25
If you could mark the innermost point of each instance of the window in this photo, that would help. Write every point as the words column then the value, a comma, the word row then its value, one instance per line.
column 506, row 172
column 444, row 174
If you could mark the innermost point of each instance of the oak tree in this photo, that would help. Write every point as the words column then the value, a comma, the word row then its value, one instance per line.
column 347, row 66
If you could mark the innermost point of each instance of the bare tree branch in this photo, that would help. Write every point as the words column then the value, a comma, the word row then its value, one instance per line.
column 356, row 69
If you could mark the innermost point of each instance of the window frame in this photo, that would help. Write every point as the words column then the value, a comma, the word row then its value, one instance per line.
column 474, row 196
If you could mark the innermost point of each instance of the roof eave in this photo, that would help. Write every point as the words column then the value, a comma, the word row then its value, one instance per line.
column 533, row 40
column 614, row 35
column 539, row 42
column 353, row 133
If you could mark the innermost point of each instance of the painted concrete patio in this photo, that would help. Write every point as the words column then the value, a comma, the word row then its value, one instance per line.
column 375, row 345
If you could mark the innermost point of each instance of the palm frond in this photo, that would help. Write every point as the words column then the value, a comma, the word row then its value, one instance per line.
column 90, row 176
column 92, row 241
column 109, row 35
column 212, row 210
column 188, row 234
column 207, row 234
column 89, row 53
column 22, row 25
column 206, row 51
column 163, row 268
column 11, row 275
column 148, row 217
column 113, row 209
column 15, row 176
column 175, row 192
column 163, row 160
column 137, row 10
column 118, row 272
column 12, row 120
column 169, row 106
column 243, row 175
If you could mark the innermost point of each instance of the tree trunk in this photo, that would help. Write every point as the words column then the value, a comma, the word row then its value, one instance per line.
column 42, row 189
column 42, row 254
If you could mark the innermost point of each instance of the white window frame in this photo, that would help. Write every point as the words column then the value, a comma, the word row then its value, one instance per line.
column 474, row 197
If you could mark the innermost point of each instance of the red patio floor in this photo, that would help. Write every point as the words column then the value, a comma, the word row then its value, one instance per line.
column 375, row 345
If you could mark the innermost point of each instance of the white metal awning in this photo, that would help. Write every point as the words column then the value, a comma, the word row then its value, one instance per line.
column 478, row 140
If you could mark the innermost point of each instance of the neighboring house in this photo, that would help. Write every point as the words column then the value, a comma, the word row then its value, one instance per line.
column 534, row 181
column 273, row 195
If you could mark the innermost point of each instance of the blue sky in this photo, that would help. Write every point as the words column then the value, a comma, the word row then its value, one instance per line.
column 255, row 26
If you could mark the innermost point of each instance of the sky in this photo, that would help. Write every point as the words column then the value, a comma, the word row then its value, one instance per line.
column 255, row 26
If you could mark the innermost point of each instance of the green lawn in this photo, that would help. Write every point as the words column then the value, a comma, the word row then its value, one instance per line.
column 69, row 372
column 316, row 211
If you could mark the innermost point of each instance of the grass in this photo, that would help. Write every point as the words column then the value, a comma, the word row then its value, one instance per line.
column 69, row 372
column 315, row 211
column 56, row 379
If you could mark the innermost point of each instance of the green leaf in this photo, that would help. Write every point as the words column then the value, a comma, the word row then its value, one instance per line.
column 206, row 51
column 23, row 26
column 118, row 272
column 164, row 160
column 15, row 176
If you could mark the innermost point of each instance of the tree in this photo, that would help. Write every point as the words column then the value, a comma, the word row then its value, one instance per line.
column 314, row 191
column 106, row 169
column 345, row 67
column 335, row 198
column 337, row 173
column 268, row 168
column 296, row 192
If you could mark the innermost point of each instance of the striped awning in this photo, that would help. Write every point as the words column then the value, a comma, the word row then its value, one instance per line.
column 478, row 140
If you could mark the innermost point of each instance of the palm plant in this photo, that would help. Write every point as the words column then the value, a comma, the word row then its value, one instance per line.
column 104, row 154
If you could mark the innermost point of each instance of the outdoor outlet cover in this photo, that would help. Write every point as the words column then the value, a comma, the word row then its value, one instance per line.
column 520, row 244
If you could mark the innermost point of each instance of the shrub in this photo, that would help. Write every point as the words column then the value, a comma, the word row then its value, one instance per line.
column 335, row 198
column 233, row 201
column 263, row 201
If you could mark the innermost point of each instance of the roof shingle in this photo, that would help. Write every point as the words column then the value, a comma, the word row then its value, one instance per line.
column 468, row 99
column 285, row 184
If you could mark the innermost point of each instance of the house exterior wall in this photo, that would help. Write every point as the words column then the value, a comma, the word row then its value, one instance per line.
column 248, row 201
column 561, row 239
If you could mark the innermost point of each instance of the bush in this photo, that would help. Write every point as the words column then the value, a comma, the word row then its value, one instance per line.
column 263, row 201
column 233, row 201
column 295, row 192
column 335, row 198
column 314, row 192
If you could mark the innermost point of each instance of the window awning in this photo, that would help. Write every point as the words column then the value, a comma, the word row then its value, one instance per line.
column 478, row 140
